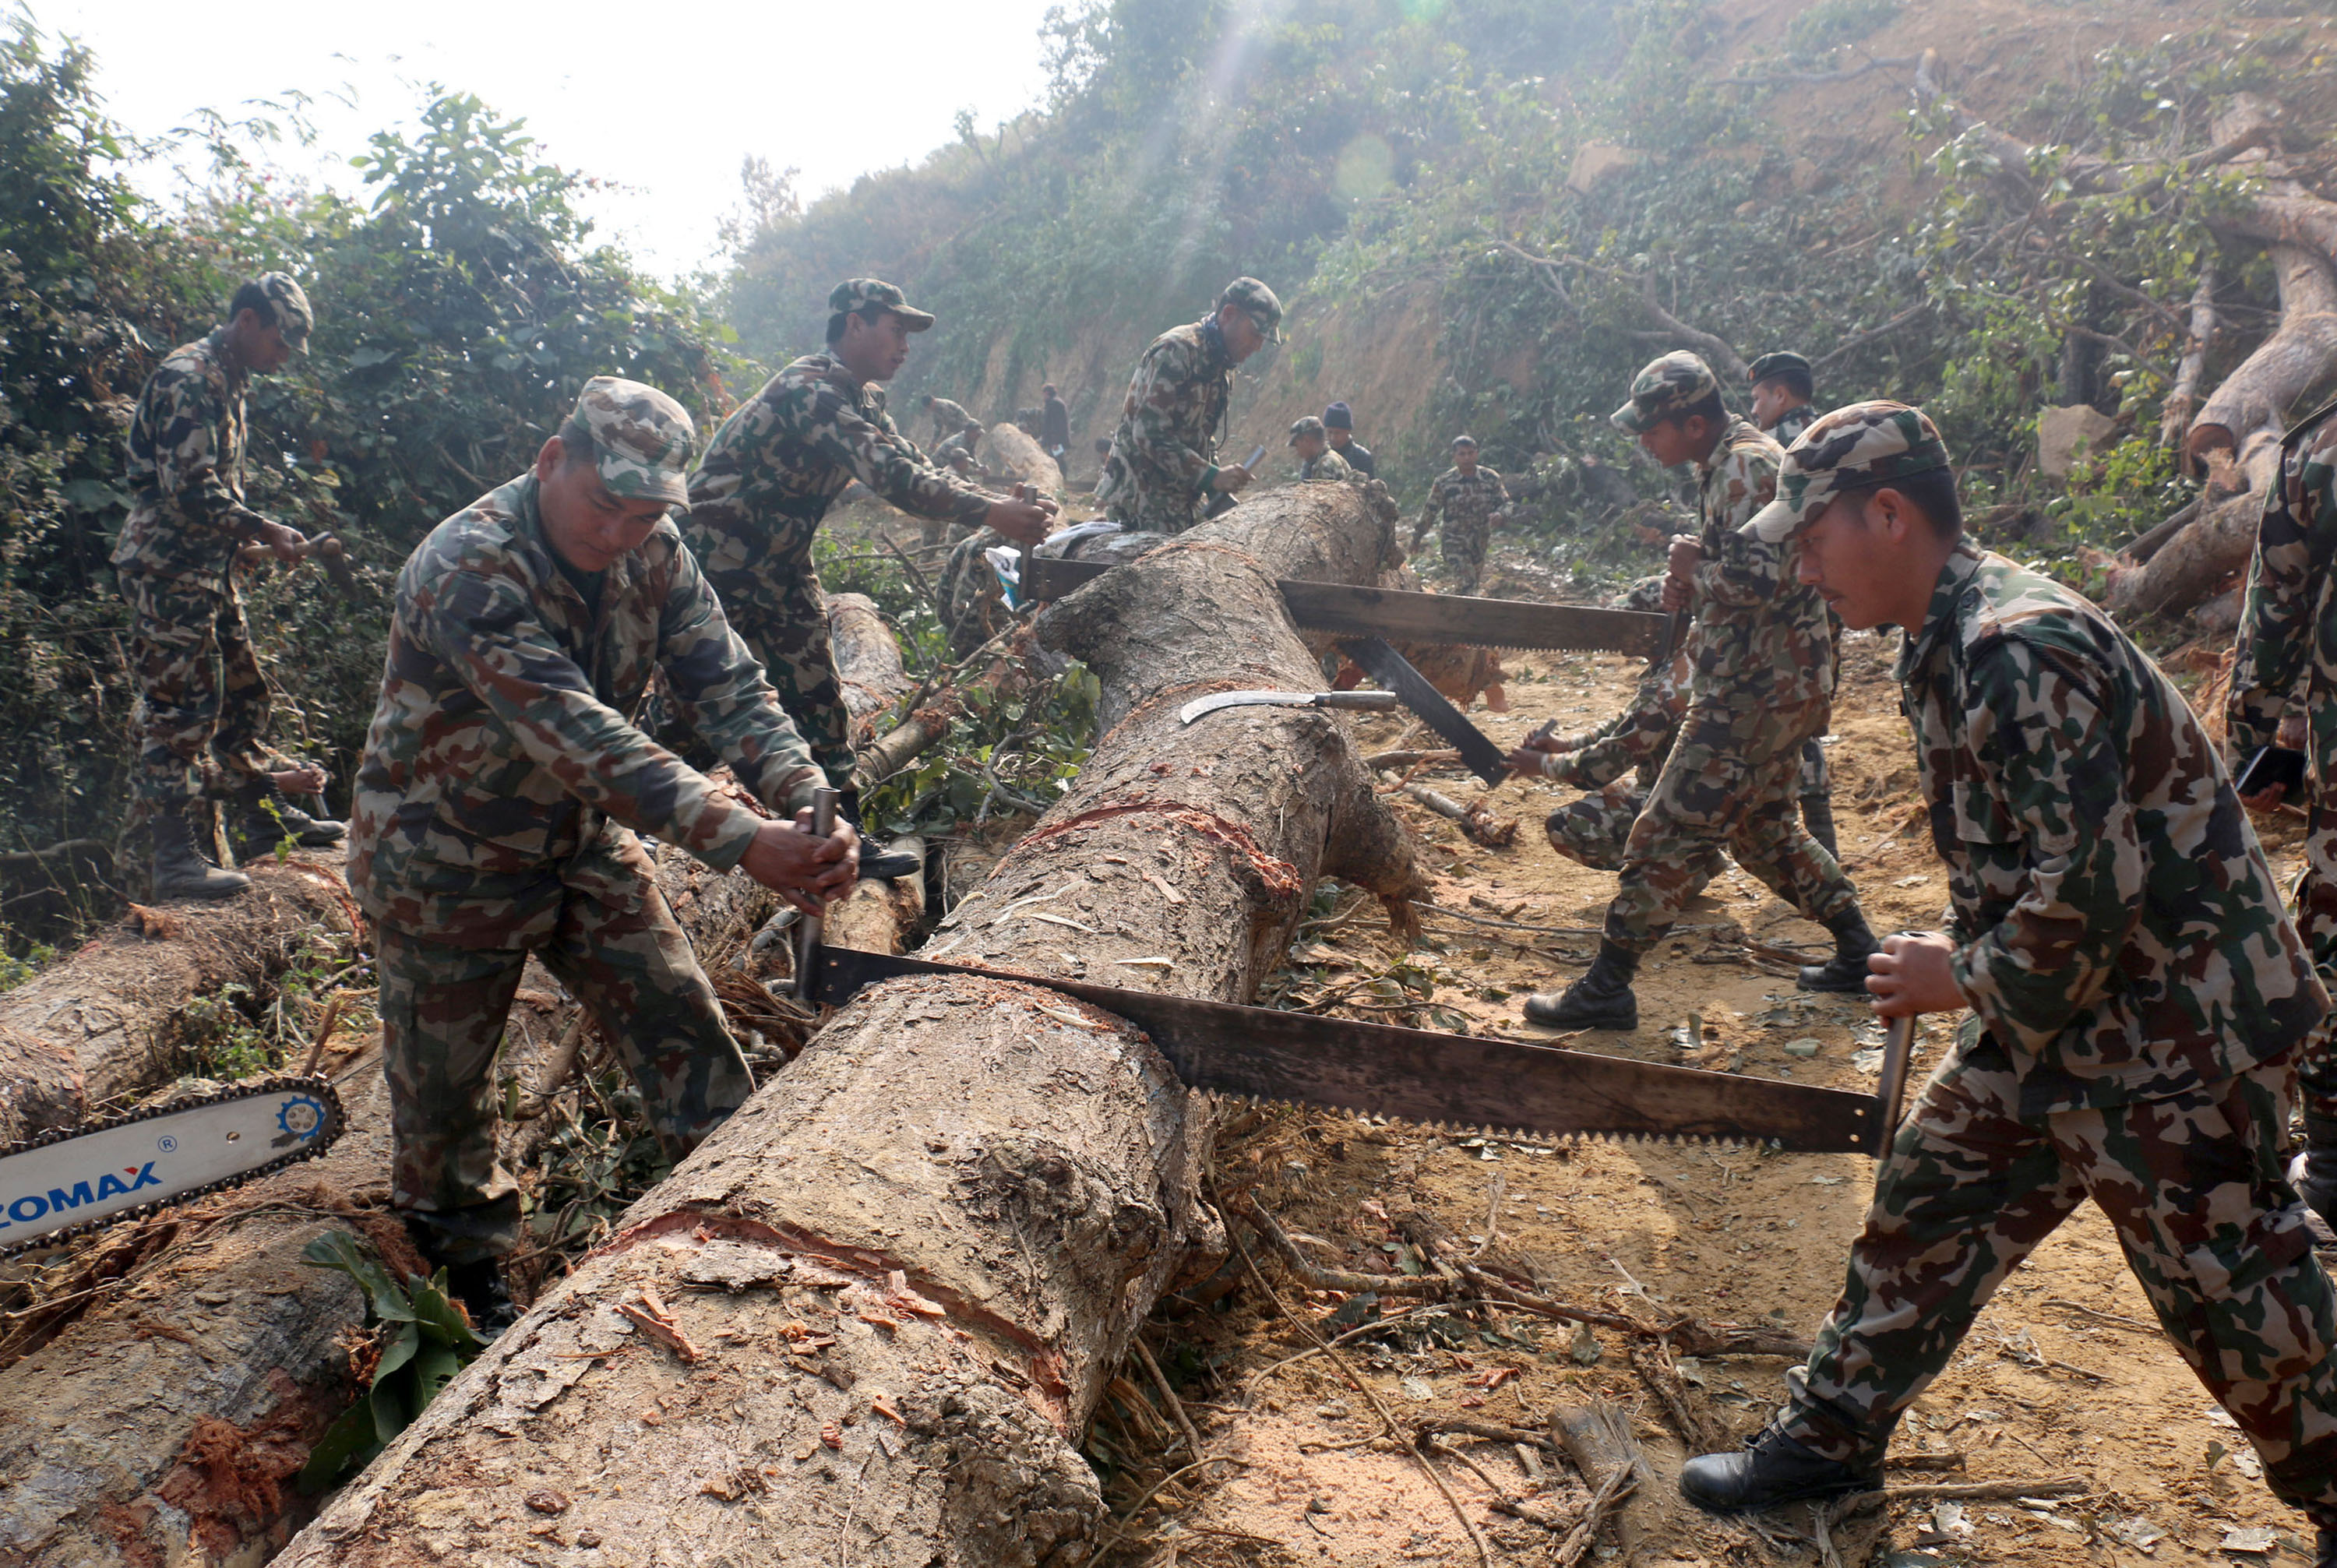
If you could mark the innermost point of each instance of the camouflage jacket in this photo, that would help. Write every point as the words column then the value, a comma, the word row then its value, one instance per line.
column 1638, row 737
column 780, row 461
column 1791, row 423
column 2288, row 628
column 1464, row 499
column 1760, row 643
column 1164, row 453
column 948, row 417
column 187, row 514
column 504, row 764
column 1328, row 467
column 2117, row 928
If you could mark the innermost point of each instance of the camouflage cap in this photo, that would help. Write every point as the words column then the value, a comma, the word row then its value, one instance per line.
column 640, row 437
column 1258, row 302
column 866, row 294
column 1464, row 440
column 1678, row 381
column 1309, row 425
column 1852, row 448
column 294, row 318
column 1776, row 364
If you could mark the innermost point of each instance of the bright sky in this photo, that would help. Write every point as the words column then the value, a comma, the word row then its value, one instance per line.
column 666, row 119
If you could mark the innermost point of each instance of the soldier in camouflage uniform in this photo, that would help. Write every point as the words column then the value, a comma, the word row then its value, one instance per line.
column 948, row 417
column 1465, row 498
column 202, row 702
column 1316, row 460
column 1596, row 830
column 503, row 781
column 1162, row 467
column 1763, row 662
column 2139, row 997
column 2288, row 636
column 1782, row 389
column 780, row 461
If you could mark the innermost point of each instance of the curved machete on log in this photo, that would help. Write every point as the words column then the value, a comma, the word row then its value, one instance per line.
column 871, row 1314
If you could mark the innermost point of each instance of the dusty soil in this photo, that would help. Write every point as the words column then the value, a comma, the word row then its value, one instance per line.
column 2063, row 1376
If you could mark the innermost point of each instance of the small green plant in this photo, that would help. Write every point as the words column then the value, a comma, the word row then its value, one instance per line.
column 423, row 1339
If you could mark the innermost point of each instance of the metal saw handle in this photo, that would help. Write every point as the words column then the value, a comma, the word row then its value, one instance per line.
column 823, row 823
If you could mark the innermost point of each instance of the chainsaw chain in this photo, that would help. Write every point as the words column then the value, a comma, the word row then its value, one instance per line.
column 321, row 1087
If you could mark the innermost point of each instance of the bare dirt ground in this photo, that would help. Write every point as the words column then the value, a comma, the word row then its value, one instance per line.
column 2065, row 1375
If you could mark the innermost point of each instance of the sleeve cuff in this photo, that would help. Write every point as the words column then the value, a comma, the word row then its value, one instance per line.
column 726, row 839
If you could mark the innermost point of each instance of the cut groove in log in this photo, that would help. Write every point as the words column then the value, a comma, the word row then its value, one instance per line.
column 916, row 1256
column 103, row 1022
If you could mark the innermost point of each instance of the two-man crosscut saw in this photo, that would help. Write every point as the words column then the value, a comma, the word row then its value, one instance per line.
column 1503, row 1088
column 77, row 1178
column 1404, row 616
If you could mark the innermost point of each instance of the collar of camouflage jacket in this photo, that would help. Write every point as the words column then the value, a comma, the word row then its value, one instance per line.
column 858, row 391
column 1941, row 620
column 230, row 370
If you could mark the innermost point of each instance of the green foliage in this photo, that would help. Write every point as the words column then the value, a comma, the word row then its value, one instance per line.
column 459, row 312
column 1015, row 747
column 424, row 1339
column 240, row 1031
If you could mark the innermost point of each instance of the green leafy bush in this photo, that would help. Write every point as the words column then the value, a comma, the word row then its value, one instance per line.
column 424, row 1337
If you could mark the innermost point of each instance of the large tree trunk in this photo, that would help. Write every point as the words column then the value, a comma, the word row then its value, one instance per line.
column 868, row 1319
column 868, row 661
column 164, row 1421
column 2259, row 395
column 1017, row 456
column 105, row 1022
column 2215, row 544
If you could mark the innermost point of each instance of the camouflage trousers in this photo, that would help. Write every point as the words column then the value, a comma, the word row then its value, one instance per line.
column 778, row 611
column 1711, row 800
column 1595, row 830
column 442, row 1014
column 2314, row 899
column 202, row 702
column 1463, row 546
column 2192, row 1184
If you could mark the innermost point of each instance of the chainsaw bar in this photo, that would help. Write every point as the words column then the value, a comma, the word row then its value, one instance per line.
column 73, row 1179
column 1507, row 1089
column 1409, row 617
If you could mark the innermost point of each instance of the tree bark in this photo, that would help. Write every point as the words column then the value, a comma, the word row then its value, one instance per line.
column 2215, row 545
column 163, row 1422
column 2183, row 398
column 104, row 1022
column 868, row 661
column 2259, row 395
column 881, row 917
column 1017, row 456
column 888, row 1292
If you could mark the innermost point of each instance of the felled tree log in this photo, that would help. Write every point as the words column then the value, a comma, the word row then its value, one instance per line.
column 164, row 1423
column 2183, row 398
column 2259, row 395
column 2217, row 542
column 869, row 1319
column 1017, row 458
column 104, row 1022
column 868, row 661
column 881, row 917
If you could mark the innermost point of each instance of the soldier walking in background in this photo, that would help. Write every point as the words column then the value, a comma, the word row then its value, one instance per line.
column 777, row 465
column 1315, row 459
column 1782, row 390
column 1763, row 662
column 1162, row 465
column 1463, row 498
column 2139, row 998
column 948, row 417
column 2288, row 631
column 200, row 734
column 1340, row 421
column 1054, row 423
column 503, row 781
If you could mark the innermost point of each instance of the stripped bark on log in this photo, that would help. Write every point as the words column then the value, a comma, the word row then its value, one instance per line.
column 913, row 1262
column 103, row 1022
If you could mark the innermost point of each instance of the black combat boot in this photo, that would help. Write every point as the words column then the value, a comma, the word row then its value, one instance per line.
column 1602, row 999
column 2324, row 1552
column 1770, row 1469
column 181, row 869
column 266, row 816
column 1846, row 970
column 2314, row 1171
column 1817, row 815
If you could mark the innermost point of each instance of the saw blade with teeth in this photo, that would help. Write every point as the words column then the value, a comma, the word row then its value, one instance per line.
column 1433, row 1080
